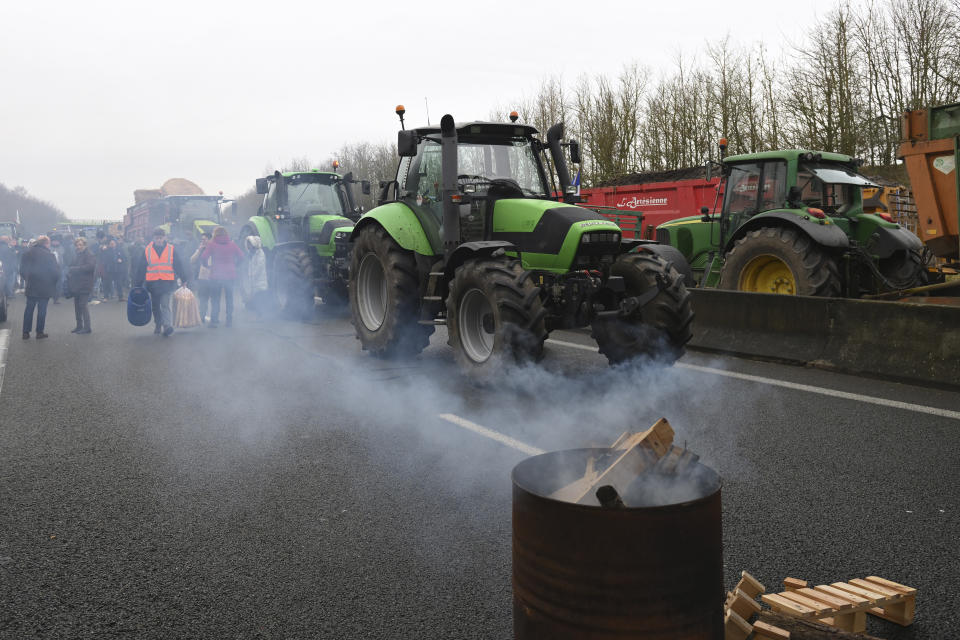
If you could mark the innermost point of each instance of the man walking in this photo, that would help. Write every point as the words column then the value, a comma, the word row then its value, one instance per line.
column 41, row 272
column 160, row 266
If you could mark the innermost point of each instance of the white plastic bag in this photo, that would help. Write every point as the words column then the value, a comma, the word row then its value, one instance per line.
column 186, row 312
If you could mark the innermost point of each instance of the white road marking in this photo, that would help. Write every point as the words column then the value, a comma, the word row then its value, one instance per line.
column 883, row 402
column 490, row 433
column 4, row 342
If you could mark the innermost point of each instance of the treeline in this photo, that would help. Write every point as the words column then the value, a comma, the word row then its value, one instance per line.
column 36, row 216
column 843, row 88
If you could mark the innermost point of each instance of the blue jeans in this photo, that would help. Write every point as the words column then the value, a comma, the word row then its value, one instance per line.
column 40, row 304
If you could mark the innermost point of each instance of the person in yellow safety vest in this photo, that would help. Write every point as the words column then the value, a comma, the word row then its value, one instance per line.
column 158, row 270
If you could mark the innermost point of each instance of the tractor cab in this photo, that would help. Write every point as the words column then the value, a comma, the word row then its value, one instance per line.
column 292, row 198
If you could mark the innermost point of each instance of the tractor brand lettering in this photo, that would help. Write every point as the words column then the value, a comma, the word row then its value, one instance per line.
column 635, row 202
column 584, row 225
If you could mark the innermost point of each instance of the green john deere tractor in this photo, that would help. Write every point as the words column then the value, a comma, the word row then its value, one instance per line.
column 296, row 222
column 792, row 222
column 471, row 236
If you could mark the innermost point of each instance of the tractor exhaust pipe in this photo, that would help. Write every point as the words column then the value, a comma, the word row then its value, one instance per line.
column 448, row 190
column 554, row 136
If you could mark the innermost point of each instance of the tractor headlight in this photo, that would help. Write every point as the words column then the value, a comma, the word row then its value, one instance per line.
column 597, row 237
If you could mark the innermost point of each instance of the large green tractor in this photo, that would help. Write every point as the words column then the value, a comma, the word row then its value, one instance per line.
column 300, row 213
column 187, row 217
column 792, row 222
column 471, row 236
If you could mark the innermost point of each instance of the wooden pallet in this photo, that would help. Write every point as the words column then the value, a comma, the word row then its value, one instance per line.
column 845, row 605
column 740, row 606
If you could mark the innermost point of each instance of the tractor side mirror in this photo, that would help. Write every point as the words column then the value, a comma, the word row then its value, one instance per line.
column 262, row 185
column 365, row 187
column 794, row 195
column 575, row 152
column 704, row 214
column 406, row 144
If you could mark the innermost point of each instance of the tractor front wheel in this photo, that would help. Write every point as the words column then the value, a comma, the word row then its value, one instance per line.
column 385, row 296
column 659, row 329
column 293, row 282
column 494, row 315
column 780, row 260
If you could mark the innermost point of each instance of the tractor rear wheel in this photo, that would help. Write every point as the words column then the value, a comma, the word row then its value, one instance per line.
column 494, row 315
column 293, row 282
column 385, row 296
column 780, row 260
column 658, row 330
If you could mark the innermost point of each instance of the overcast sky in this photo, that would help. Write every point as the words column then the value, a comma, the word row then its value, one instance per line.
column 103, row 97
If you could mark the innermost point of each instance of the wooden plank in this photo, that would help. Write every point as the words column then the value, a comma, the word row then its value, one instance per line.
column 643, row 451
column 909, row 591
column 846, row 595
column 901, row 612
column 819, row 608
column 750, row 585
column 742, row 604
column 793, row 583
column 763, row 630
column 872, row 596
column 877, row 588
column 787, row 606
column 735, row 627
column 836, row 603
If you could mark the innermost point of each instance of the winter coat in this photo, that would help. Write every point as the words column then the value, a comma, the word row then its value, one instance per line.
column 200, row 267
column 255, row 278
column 114, row 260
column 80, row 278
column 140, row 277
column 40, row 269
column 224, row 256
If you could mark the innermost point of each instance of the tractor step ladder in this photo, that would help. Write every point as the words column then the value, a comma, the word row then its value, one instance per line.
column 845, row 605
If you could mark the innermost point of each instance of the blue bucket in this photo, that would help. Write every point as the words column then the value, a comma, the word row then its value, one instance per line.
column 139, row 309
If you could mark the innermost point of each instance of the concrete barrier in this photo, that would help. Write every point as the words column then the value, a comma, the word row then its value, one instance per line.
column 898, row 340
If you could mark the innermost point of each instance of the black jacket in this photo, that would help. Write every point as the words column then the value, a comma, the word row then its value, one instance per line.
column 40, row 269
column 80, row 278
column 179, row 271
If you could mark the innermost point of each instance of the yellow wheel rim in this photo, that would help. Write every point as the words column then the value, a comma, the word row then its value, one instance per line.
column 768, row 274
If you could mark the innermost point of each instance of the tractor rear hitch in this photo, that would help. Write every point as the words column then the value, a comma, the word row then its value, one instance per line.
column 631, row 304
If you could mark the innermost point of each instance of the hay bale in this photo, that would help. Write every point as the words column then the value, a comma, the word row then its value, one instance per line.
column 180, row 187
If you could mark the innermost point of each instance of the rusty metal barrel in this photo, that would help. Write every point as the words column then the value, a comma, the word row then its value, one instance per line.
column 581, row 571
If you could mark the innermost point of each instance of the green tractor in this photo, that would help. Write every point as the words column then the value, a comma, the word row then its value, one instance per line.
column 470, row 235
column 187, row 217
column 792, row 222
column 300, row 213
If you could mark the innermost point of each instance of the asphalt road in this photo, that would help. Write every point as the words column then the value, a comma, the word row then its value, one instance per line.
column 272, row 481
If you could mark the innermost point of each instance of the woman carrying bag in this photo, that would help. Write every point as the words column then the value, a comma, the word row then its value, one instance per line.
column 80, row 280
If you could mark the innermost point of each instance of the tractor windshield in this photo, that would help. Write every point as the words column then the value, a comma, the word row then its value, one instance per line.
column 192, row 210
column 513, row 160
column 309, row 195
column 834, row 188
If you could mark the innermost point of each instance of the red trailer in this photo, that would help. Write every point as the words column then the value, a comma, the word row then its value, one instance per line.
column 644, row 201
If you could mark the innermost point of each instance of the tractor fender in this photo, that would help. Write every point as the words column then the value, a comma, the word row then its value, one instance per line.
column 473, row 250
column 264, row 230
column 885, row 241
column 401, row 223
column 826, row 235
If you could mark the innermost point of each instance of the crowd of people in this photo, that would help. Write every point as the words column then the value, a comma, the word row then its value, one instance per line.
column 55, row 266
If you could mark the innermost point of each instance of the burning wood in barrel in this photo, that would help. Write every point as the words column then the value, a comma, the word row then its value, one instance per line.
column 624, row 542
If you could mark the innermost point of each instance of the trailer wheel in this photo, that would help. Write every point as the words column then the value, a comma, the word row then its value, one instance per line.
column 293, row 282
column 385, row 296
column 905, row 269
column 658, row 330
column 494, row 316
column 780, row 260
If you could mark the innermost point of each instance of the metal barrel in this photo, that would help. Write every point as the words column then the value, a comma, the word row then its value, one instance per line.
column 586, row 572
